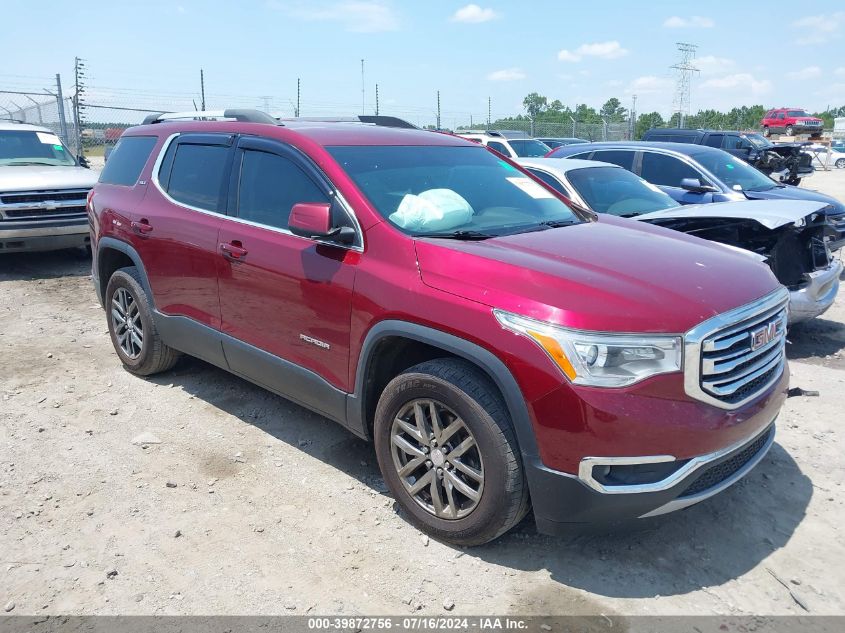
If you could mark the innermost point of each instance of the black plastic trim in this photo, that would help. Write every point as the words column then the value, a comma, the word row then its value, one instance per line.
column 484, row 359
column 282, row 377
column 129, row 251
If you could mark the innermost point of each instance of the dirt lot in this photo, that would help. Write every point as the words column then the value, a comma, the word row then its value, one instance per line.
column 250, row 504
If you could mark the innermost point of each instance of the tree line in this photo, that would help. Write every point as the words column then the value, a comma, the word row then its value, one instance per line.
column 539, row 109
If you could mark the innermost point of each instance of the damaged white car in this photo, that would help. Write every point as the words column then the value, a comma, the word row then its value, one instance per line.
column 790, row 236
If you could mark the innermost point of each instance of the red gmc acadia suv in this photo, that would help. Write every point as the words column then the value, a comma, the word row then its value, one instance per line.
column 504, row 349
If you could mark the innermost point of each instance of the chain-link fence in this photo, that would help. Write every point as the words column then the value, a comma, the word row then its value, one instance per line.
column 38, row 108
column 605, row 131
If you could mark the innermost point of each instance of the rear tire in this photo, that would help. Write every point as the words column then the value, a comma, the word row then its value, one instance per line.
column 461, row 398
column 766, row 131
column 794, row 182
column 133, row 332
column 840, row 164
column 788, row 131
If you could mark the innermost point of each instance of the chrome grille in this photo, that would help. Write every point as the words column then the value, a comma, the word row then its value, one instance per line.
column 736, row 356
column 43, row 205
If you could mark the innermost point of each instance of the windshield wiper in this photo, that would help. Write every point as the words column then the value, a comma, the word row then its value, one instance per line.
column 630, row 215
column 556, row 224
column 458, row 235
column 21, row 163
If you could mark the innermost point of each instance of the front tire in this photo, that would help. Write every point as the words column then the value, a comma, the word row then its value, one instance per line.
column 447, row 450
column 133, row 332
column 788, row 131
column 794, row 182
column 840, row 164
column 766, row 131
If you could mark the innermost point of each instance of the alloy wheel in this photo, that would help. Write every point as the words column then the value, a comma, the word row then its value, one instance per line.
column 437, row 459
column 126, row 322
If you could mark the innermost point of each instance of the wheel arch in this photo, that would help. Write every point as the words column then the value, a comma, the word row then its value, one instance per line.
column 361, row 403
column 113, row 254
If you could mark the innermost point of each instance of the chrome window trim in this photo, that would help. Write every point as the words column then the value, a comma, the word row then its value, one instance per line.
column 585, row 468
column 694, row 338
column 154, row 179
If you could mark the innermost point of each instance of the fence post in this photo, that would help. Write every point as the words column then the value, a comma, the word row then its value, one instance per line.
column 37, row 109
column 60, row 104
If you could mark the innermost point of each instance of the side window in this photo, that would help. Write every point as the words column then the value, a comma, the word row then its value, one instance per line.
column 623, row 158
column 197, row 175
column 781, row 115
column 660, row 169
column 499, row 147
column 127, row 160
column 715, row 140
column 583, row 156
column 549, row 180
column 269, row 187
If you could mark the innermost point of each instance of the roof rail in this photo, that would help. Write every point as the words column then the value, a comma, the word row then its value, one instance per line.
column 238, row 114
column 380, row 120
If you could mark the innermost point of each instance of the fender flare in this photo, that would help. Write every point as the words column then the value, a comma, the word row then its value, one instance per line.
column 127, row 249
column 485, row 360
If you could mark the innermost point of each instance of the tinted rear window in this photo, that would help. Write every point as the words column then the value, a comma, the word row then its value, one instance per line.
column 127, row 160
column 621, row 157
column 197, row 175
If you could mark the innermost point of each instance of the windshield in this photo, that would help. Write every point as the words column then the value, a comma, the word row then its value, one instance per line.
column 529, row 148
column 617, row 191
column 736, row 174
column 27, row 147
column 450, row 189
column 797, row 113
column 759, row 141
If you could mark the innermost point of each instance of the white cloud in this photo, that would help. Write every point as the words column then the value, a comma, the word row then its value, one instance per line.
column 506, row 74
column 602, row 50
column 648, row 84
column 822, row 27
column 744, row 81
column 694, row 22
column 474, row 14
column 810, row 72
column 712, row 64
column 357, row 16
column 839, row 71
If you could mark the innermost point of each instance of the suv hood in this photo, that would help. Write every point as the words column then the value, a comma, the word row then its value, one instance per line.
column 44, row 177
column 614, row 275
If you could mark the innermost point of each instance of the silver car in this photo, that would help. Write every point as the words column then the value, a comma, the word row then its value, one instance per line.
column 787, row 235
column 43, row 191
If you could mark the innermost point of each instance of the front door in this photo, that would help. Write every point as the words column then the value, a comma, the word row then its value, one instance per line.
column 285, row 300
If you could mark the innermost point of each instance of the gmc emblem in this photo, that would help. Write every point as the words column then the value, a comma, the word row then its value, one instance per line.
column 764, row 335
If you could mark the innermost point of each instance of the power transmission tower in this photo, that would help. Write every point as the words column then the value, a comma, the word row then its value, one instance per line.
column 202, row 88
column 266, row 101
column 685, row 69
column 78, row 103
column 438, row 109
column 376, row 99
column 296, row 114
column 488, row 112
column 363, row 92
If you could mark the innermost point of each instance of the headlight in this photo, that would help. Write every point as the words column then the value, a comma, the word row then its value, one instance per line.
column 599, row 359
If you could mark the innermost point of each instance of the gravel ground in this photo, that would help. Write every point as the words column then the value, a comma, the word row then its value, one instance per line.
column 197, row 493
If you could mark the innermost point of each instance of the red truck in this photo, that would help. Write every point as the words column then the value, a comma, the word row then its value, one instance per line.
column 791, row 121
column 504, row 349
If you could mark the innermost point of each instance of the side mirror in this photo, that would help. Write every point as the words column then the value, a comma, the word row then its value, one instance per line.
column 83, row 162
column 694, row 185
column 314, row 221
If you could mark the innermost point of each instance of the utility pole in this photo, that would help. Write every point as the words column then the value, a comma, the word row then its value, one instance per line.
column 376, row 99
column 79, row 76
column 685, row 69
column 296, row 113
column 202, row 88
column 60, row 103
column 266, row 101
column 363, row 91
column 438, row 109
column 633, row 116
column 488, row 111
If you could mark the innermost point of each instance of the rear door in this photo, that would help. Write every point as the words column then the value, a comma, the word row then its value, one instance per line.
column 177, row 225
column 282, row 295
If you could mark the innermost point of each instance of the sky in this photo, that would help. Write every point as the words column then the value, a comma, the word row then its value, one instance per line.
column 149, row 54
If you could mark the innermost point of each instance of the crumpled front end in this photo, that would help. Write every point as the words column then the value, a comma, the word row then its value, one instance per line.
column 816, row 295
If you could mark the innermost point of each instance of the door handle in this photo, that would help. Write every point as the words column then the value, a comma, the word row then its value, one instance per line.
column 142, row 227
column 233, row 250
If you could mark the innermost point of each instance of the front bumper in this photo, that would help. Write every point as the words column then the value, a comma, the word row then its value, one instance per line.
column 817, row 296
column 571, row 503
column 51, row 235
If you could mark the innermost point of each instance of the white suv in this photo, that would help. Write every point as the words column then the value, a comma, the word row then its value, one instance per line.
column 511, row 143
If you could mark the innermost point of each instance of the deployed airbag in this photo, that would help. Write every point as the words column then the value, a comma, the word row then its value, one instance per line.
column 432, row 210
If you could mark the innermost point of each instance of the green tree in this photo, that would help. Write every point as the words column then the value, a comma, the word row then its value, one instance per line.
column 613, row 110
column 647, row 121
column 535, row 104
